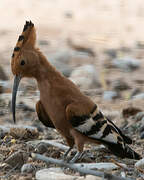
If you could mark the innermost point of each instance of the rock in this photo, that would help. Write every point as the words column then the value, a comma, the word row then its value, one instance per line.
column 27, row 168
column 41, row 148
column 3, row 75
column 126, row 64
column 138, row 96
column 134, row 92
column 142, row 135
column 17, row 159
column 141, row 129
column 140, row 164
column 139, row 116
column 3, row 131
column 119, row 85
column 110, row 95
column 53, row 174
column 111, row 52
column 85, row 77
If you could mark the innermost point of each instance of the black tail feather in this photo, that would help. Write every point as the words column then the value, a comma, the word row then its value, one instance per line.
column 123, row 151
column 126, row 152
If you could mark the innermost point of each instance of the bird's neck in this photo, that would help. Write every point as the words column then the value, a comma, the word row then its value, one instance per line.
column 46, row 72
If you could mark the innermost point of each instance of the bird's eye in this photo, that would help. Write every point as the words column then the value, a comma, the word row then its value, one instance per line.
column 22, row 63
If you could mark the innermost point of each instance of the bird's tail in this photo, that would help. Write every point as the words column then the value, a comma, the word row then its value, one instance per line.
column 123, row 152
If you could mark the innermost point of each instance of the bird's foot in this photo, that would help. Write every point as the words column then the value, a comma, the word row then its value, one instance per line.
column 64, row 157
column 77, row 156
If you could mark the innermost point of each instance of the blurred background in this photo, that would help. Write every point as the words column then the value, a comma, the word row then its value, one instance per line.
column 98, row 44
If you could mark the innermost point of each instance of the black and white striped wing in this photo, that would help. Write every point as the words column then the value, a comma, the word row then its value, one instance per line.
column 96, row 126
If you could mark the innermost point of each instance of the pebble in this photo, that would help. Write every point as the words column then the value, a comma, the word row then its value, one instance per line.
column 85, row 77
column 53, row 174
column 112, row 53
column 134, row 92
column 126, row 64
column 139, row 116
column 140, row 163
column 138, row 96
column 120, row 85
column 41, row 148
column 27, row 168
column 110, row 95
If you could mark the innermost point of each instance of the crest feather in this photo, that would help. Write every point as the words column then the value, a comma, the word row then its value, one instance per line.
column 26, row 39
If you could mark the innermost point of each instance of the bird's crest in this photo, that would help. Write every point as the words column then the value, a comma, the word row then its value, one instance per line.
column 26, row 40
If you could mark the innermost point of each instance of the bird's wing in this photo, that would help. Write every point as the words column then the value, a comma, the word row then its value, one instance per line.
column 43, row 116
column 96, row 126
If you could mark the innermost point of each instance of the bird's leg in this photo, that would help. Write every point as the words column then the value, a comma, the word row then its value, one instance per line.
column 66, row 153
column 70, row 142
column 77, row 156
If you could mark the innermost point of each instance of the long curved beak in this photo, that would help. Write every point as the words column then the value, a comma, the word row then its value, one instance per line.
column 14, row 93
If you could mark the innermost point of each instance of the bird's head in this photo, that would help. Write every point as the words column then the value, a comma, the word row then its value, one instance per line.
column 25, row 59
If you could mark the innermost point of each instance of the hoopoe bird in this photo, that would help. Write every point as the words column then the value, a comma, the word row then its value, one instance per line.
column 62, row 106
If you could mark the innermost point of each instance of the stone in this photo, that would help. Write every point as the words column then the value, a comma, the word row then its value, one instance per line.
column 119, row 85
column 134, row 92
column 138, row 96
column 53, row 174
column 85, row 77
column 110, row 95
column 41, row 148
column 112, row 53
column 126, row 64
column 142, row 135
column 27, row 168
column 3, row 131
column 139, row 116
column 140, row 164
